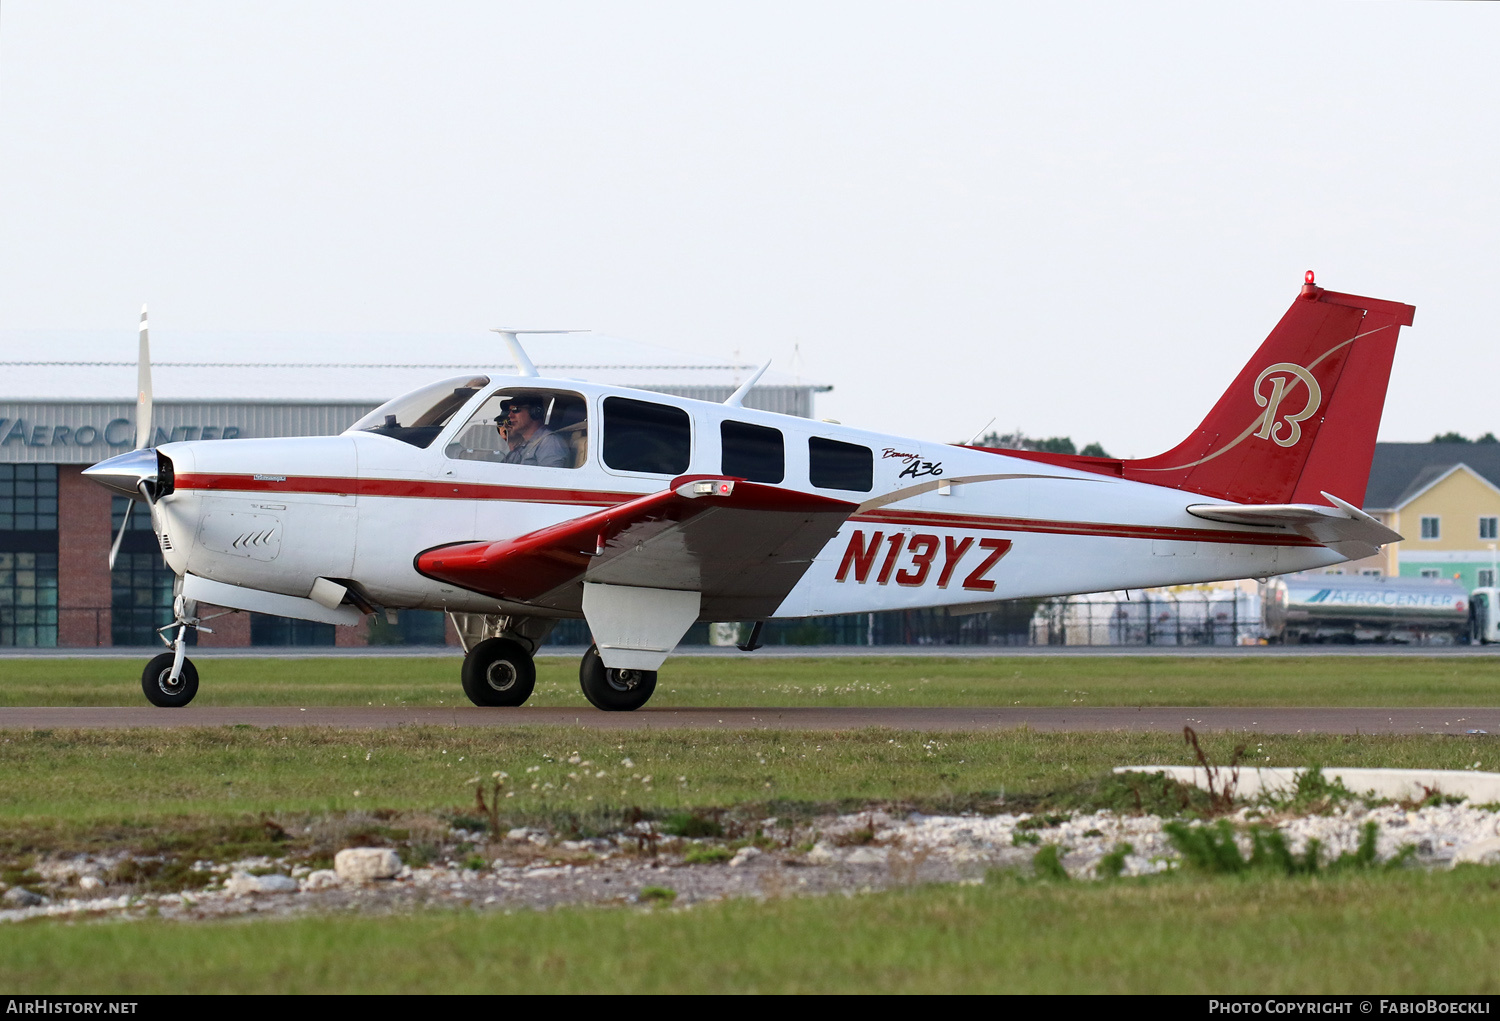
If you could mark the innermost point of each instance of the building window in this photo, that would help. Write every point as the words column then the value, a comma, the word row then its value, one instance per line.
column 1431, row 528
column 1486, row 577
column 1431, row 572
column 141, row 585
column 268, row 630
column 28, row 497
column 28, row 599
column 1488, row 528
column 28, row 555
column 1370, row 572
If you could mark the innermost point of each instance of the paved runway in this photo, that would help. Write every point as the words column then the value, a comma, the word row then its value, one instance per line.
column 1169, row 718
column 791, row 651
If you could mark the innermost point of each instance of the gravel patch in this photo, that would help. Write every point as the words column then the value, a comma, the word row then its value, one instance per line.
column 532, row 869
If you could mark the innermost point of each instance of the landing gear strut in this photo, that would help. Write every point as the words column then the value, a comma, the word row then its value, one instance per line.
column 170, row 680
column 614, row 690
column 499, row 672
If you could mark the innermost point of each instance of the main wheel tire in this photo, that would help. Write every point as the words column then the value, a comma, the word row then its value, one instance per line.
column 499, row 672
column 156, row 682
column 614, row 690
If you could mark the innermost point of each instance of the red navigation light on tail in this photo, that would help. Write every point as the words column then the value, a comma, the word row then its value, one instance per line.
column 1301, row 417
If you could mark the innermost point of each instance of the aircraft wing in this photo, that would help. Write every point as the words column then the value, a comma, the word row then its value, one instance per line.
column 1342, row 527
column 741, row 544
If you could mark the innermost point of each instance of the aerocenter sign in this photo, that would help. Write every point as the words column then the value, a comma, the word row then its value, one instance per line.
column 87, row 432
column 116, row 433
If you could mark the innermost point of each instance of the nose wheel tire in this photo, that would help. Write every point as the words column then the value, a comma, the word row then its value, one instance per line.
column 156, row 682
column 499, row 672
column 614, row 690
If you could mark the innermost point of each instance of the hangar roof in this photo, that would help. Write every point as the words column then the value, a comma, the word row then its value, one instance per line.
column 332, row 368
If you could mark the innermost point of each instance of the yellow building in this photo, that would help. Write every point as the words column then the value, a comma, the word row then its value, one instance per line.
column 1444, row 499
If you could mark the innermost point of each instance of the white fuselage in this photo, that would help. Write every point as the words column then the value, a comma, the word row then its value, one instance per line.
column 941, row 525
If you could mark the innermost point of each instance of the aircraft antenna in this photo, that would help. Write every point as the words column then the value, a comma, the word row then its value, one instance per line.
column 518, row 352
column 980, row 432
column 736, row 399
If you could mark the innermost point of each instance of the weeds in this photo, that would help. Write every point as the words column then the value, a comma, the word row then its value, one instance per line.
column 691, row 824
column 491, row 810
column 1314, row 794
column 1215, row 850
column 1047, row 864
column 1113, row 863
column 657, row 895
column 1221, row 789
column 706, row 854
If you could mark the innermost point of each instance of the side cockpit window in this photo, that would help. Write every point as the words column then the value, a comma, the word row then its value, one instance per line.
column 535, row 428
column 419, row 416
column 641, row 436
column 755, row 453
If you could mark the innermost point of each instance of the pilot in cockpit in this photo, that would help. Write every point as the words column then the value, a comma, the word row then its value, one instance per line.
column 520, row 423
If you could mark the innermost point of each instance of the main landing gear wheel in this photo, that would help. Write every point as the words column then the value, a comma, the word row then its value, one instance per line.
column 156, row 682
column 499, row 672
column 614, row 690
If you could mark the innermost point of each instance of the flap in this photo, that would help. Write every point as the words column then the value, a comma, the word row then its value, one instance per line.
column 741, row 544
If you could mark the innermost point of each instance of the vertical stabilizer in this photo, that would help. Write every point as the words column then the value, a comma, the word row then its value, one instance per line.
column 1301, row 417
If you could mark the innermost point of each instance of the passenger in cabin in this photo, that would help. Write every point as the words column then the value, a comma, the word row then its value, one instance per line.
column 531, row 442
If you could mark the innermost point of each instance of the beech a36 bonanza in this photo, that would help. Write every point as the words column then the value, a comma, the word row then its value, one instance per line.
column 513, row 501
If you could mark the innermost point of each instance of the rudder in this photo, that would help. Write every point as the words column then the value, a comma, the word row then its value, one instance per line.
column 1302, row 415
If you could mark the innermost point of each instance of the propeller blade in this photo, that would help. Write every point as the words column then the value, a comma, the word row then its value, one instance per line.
column 114, row 551
column 143, row 388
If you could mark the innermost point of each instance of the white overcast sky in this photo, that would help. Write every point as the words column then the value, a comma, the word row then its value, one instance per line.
column 1076, row 219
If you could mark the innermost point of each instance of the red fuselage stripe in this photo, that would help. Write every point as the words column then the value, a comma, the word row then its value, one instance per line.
column 416, row 489
column 1106, row 529
column 429, row 490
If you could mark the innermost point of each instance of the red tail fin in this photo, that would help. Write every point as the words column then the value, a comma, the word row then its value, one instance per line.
column 1302, row 415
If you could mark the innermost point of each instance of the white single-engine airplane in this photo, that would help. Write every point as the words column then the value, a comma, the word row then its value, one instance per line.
column 513, row 501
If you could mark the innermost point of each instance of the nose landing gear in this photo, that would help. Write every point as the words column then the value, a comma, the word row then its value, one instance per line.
column 167, row 684
column 170, row 680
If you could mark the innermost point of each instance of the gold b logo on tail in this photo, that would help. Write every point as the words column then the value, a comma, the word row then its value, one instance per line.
column 1282, row 429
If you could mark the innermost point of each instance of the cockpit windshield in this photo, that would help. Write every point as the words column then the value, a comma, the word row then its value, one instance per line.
column 419, row 416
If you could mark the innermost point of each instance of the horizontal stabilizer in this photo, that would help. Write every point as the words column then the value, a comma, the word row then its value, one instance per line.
column 744, row 546
column 1342, row 527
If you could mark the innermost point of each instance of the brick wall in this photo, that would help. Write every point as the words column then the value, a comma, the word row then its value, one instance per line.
column 352, row 637
column 231, row 631
column 83, row 541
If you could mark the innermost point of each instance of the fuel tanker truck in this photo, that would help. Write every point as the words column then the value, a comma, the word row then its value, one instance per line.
column 1351, row 608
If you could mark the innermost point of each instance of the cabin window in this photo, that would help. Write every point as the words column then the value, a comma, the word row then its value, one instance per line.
column 836, row 465
column 531, row 428
column 753, row 452
column 640, row 436
column 1488, row 528
column 419, row 416
column 1431, row 527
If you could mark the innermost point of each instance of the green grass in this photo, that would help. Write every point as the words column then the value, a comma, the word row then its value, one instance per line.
column 1404, row 933
column 88, row 776
column 759, row 681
